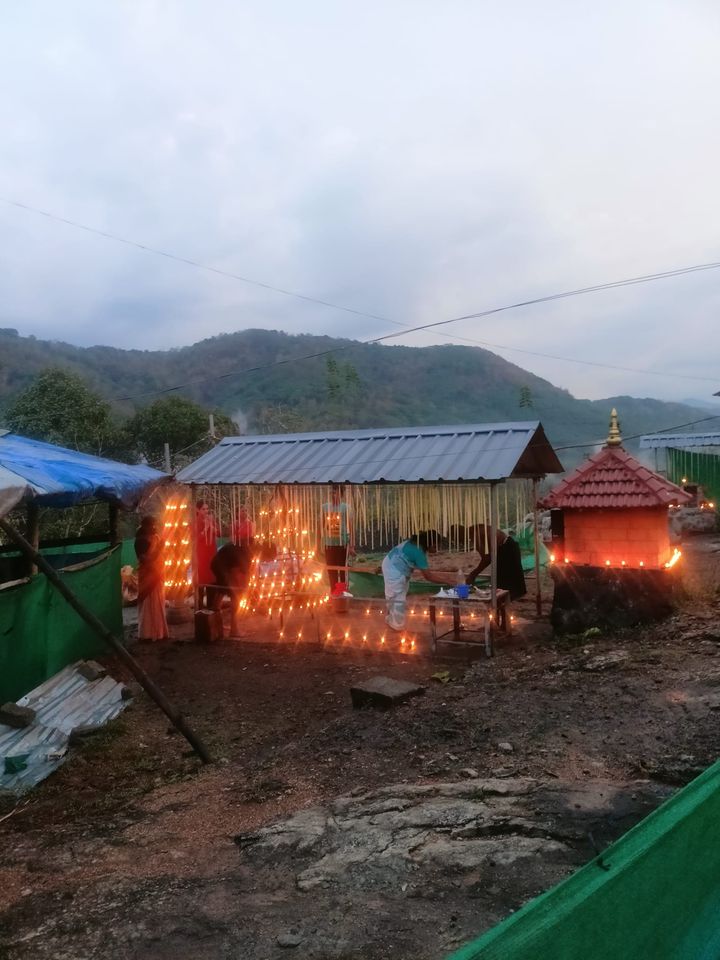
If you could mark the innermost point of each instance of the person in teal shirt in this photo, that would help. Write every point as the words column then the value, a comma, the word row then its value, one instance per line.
column 336, row 538
column 397, row 568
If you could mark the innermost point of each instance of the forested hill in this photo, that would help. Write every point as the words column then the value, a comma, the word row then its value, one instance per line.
column 360, row 385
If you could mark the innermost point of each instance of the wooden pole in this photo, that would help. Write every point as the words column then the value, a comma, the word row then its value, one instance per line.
column 536, row 540
column 493, row 553
column 168, row 465
column 33, row 532
column 194, row 533
column 89, row 617
column 113, row 518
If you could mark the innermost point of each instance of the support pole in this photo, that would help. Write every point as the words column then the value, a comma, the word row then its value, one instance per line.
column 194, row 548
column 113, row 525
column 168, row 465
column 493, row 551
column 33, row 533
column 89, row 617
column 536, row 540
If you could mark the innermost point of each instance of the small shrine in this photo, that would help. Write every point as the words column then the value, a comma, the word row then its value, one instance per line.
column 613, row 560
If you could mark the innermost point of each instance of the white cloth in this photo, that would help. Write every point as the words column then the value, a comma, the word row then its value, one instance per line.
column 396, row 589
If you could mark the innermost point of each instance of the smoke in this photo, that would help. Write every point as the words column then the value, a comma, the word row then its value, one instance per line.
column 241, row 420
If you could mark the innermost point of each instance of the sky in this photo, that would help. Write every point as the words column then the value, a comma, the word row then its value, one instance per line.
column 413, row 160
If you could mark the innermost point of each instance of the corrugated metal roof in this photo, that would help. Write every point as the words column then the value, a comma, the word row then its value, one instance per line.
column 613, row 479
column 450, row 454
column 679, row 440
column 61, row 703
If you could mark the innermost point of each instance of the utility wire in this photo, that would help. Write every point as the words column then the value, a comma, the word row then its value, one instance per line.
column 407, row 329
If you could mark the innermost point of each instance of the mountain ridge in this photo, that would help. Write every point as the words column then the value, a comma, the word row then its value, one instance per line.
column 252, row 374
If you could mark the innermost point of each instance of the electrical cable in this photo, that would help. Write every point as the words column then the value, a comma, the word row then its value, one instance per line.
column 407, row 329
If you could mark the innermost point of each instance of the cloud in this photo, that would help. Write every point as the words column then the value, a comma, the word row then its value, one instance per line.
column 414, row 160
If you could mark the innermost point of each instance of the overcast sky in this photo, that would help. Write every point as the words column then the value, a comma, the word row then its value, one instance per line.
column 414, row 160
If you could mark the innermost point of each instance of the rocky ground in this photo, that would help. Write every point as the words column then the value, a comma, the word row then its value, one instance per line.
column 324, row 831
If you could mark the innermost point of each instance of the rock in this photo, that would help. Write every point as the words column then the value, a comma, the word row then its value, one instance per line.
column 383, row 692
column 505, row 747
column 83, row 731
column 13, row 715
column 605, row 661
column 470, row 773
column 131, row 690
column 91, row 670
column 289, row 940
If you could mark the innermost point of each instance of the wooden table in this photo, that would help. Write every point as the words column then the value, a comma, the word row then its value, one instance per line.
column 483, row 604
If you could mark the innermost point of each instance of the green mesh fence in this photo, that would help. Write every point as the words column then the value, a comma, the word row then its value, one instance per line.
column 700, row 468
column 40, row 633
column 658, row 899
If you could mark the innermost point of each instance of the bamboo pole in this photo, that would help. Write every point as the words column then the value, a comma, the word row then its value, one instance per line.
column 194, row 534
column 493, row 554
column 536, row 539
column 102, row 631
column 33, row 532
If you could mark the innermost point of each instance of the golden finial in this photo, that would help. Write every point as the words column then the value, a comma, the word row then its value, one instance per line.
column 614, row 438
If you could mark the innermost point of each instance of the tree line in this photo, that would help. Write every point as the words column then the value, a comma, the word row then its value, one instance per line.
column 59, row 407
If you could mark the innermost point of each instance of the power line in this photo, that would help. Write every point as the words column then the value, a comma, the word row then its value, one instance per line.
column 587, row 363
column 188, row 261
column 407, row 329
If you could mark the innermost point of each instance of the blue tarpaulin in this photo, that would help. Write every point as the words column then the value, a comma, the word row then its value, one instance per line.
column 58, row 477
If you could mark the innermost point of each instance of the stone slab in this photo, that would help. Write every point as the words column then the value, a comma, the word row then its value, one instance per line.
column 13, row 715
column 91, row 670
column 383, row 692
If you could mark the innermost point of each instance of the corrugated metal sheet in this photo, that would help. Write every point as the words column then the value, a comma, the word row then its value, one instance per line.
column 61, row 703
column 613, row 479
column 679, row 441
column 493, row 451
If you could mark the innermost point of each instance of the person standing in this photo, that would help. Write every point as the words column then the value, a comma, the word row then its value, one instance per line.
column 336, row 536
column 152, row 624
column 206, row 534
column 397, row 568
column 231, row 571
column 242, row 529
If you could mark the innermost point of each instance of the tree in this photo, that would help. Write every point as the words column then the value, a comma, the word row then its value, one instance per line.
column 343, row 386
column 526, row 399
column 184, row 425
column 279, row 418
column 59, row 407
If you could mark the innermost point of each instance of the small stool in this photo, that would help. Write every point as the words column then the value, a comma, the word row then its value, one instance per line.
column 208, row 626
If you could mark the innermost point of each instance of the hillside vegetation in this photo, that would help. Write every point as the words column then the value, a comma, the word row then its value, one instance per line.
column 361, row 385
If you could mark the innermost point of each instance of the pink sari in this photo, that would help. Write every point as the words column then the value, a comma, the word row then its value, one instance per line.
column 152, row 624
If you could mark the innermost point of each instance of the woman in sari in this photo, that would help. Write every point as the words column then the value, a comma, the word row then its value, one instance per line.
column 152, row 624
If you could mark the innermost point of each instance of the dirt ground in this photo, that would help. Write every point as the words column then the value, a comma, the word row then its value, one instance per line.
column 324, row 831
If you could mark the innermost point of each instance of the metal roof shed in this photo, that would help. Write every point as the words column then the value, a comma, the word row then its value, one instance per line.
column 480, row 453
column 466, row 455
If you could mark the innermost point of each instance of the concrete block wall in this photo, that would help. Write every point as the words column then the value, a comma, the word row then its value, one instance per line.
column 634, row 536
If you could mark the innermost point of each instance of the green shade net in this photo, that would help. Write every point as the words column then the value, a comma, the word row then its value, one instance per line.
column 659, row 899
column 700, row 468
column 40, row 633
